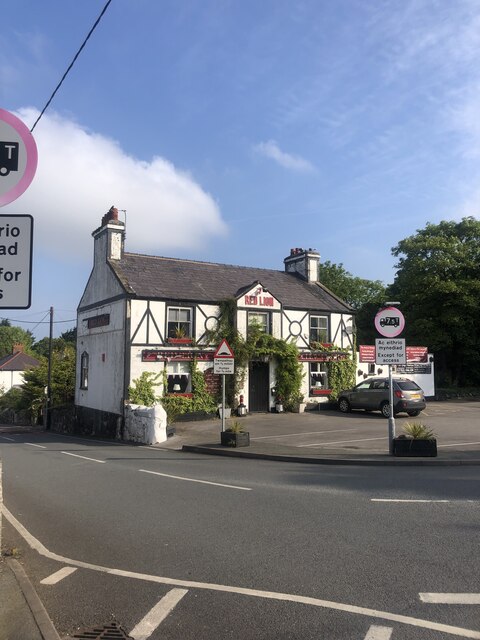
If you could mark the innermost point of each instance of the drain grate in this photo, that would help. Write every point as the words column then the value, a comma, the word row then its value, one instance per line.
column 112, row 631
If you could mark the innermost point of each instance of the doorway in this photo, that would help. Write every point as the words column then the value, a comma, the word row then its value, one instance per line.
column 258, row 386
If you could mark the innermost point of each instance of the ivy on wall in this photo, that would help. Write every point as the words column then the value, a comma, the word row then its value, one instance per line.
column 341, row 373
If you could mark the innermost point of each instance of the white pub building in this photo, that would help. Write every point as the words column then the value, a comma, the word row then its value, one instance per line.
column 147, row 313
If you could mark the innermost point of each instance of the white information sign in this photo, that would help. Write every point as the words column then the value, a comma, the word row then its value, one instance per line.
column 16, row 246
column 390, row 351
column 223, row 366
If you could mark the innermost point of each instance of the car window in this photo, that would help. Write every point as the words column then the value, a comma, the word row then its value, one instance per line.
column 363, row 385
column 408, row 385
column 379, row 384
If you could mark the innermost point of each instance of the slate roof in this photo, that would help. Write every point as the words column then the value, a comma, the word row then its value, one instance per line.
column 188, row 280
column 18, row 361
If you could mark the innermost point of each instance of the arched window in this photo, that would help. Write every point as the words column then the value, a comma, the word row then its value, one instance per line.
column 84, row 370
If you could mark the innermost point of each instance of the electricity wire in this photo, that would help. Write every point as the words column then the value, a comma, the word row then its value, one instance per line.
column 71, row 64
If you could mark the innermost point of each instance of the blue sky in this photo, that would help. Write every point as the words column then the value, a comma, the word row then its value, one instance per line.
column 231, row 131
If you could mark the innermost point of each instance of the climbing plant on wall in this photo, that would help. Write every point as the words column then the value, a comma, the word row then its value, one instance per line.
column 341, row 373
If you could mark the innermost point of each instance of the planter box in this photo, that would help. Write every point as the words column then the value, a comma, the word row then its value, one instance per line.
column 299, row 408
column 180, row 340
column 414, row 447
column 229, row 439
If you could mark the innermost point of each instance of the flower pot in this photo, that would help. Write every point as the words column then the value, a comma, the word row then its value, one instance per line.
column 229, row 439
column 414, row 447
column 279, row 407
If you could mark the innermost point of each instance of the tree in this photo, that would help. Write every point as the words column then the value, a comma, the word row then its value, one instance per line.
column 438, row 285
column 13, row 335
column 62, row 381
column 365, row 296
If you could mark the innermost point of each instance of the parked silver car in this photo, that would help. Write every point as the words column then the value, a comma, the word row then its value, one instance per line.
column 373, row 395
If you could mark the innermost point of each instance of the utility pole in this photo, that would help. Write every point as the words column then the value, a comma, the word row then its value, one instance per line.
column 49, row 379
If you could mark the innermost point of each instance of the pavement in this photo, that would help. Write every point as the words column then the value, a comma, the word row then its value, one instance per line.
column 285, row 437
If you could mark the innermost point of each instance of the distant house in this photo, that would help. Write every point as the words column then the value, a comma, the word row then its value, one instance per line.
column 147, row 313
column 13, row 366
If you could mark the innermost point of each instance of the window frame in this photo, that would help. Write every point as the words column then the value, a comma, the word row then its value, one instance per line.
column 321, row 372
column 84, row 370
column 175, row 372
column 186, row 324
column 318, row 328
column 265, row 314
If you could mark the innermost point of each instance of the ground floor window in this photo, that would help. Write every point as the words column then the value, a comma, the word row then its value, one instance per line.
column 84, row 370
column 318, row 378
column 179, row 379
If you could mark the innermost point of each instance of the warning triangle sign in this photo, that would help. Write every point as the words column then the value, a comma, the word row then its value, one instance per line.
column 223, row 350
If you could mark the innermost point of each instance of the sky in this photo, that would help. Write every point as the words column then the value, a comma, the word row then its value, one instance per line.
column 234, row 130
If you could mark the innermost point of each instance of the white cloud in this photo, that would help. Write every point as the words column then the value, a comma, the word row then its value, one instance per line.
column 81, row 174
column 271, row 150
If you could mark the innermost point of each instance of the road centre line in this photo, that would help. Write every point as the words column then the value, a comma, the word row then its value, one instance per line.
column 254, row 593
column 321, row 444
column 157, row 614
column 305, row 433
column 58, row 575
column 9, row 439
column 379, row 633
column 31, row 444
column 450, row 598
column 216, row 484
column 75, row 455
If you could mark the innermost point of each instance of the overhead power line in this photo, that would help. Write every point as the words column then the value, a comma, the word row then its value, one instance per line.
column 71, row 64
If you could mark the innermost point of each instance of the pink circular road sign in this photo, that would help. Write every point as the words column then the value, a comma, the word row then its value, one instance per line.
column 18, row 157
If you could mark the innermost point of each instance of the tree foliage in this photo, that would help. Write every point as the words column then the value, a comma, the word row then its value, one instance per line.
column 13, row 335
column 438, row 285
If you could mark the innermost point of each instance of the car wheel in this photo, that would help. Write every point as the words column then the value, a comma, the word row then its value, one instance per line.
column 385, row 409
column 412, row 414
column 344, row 405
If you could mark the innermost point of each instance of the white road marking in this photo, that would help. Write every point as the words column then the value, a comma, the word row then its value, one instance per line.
column 9, row 439
column 403, row 500
column 75, row 455
column 321, row 444
column 216, row 484
column 457, row 444
column 31, row 444
column 450, row 598
column 379, row 633
column 305, row 433
column 58, row 575
column 253, row 593
column 155, row 616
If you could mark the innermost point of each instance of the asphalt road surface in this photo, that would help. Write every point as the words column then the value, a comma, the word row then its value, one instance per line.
column 181, row 546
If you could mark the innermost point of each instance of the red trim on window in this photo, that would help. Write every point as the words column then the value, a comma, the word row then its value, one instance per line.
column 320, row 392
column 184, row 395
column 180, row 340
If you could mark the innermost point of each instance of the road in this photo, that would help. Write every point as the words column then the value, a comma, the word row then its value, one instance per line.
column 181, row 546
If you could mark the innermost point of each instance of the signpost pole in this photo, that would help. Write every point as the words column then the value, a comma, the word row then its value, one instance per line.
column 391, row 419
column 223, row 402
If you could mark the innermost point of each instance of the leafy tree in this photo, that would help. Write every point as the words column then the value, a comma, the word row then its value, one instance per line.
column 70, row 335
column 13, row 335
column 438, row 285
column 42, row 347
column 62, row 381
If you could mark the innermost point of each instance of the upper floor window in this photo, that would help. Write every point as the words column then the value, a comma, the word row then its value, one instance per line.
column 259, row 320
column 84, row 370
column 179, row 323
column 318, row 329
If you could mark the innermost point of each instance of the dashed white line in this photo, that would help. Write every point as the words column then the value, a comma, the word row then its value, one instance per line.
column 450, row 598
column 404, row 500
column 457, row 444
column 155, row 616
column 58, row 575
column 216, row 484
column 254, row 593
column 9, row 439
column 303, row 433
column 75, row 455
column 379, row 633
column 31, row 444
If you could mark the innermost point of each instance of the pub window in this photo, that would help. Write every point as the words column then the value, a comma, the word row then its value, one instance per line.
column 179, row 324
column 318, row 377
column 318, row 329
column 84, row 370
column 178, row 377
column 260, row 320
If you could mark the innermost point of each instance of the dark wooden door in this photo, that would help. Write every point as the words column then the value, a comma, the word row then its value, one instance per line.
column 258, row 383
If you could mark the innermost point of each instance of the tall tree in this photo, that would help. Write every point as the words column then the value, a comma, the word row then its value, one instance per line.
column 14, row 335
column 438, row 285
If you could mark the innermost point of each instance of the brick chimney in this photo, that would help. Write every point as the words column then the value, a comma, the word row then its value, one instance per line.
column 303, row 262
column 109, row 237
column 18, row 348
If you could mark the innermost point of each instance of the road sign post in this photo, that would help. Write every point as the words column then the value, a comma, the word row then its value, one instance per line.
column 390, row 322
column 223, row 364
